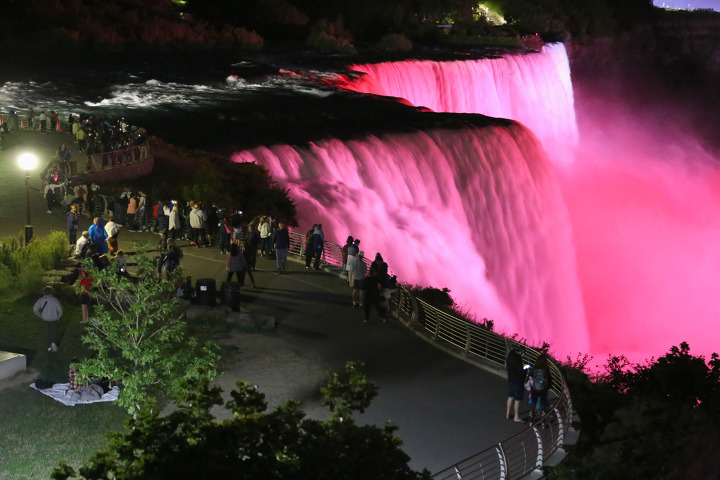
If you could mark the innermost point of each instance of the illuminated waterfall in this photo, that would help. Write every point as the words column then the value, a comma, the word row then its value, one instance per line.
column 476, row 210
column 533, row 89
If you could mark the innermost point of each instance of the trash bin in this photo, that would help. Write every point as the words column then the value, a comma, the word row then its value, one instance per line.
column 205, row 293
column 230, row 295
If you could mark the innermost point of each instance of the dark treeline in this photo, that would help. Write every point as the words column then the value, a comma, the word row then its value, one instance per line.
column 200, row 24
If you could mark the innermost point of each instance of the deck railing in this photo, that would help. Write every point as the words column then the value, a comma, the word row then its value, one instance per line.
column 523, row 454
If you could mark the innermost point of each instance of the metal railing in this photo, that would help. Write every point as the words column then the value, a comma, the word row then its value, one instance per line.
column 97, row 162
column 82, row 163
column 517, row 456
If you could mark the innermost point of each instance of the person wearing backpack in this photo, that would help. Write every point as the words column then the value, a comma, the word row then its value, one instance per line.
column 540, row 373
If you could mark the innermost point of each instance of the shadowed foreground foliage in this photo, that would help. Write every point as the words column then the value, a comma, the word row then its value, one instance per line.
column 283, row 444
column 660, row 420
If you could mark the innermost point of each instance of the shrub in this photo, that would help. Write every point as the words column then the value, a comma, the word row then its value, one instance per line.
column 330, row 36
column 21, row 268
column 395, row 42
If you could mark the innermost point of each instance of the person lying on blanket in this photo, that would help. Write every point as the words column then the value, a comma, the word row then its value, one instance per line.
column 94, row 391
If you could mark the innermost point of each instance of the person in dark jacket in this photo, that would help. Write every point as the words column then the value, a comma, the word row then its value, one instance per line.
column 540, row 373
column 281, row 243
column 251, row 243
column 309, row 250
column 515, row 381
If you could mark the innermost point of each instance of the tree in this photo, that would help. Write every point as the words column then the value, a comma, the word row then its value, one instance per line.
column 138, row 336
column 282, row 444
column 657, row 420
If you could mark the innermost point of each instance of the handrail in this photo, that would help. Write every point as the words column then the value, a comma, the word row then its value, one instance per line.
column 84, row 164
column 516, row 456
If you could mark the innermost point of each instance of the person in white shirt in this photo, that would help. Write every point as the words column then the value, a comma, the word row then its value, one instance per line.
column 48, row 308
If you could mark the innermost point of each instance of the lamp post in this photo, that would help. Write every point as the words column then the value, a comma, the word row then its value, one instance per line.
column 28, row 162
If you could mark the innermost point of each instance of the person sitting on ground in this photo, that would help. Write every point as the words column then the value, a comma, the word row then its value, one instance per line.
column 172, row 259
column 73, row 381
column 82, row 246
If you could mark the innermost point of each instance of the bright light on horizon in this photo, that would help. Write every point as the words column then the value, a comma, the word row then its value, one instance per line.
column 692, row 5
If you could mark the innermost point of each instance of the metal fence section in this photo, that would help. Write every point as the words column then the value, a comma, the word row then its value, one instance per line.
column 81, row 164
column 516, row 457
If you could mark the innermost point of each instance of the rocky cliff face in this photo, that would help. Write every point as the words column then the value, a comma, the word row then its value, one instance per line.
column 671, row 65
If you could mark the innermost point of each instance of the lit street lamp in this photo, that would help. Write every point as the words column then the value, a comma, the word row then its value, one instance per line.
column 28, row 162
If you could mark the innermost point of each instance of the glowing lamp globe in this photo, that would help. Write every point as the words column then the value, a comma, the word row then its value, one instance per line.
column 27, row 161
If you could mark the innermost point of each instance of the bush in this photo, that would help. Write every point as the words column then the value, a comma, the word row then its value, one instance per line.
column 22, row 268
column 331, row 36
column 395, row 42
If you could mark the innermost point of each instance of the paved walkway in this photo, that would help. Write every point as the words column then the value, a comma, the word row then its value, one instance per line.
column 446, row 408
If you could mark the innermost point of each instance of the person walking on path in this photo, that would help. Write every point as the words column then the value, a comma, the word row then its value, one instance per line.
column 72, row 223
column 236, row 264
column 281, row 242
column 515, row 380
column 48, row 308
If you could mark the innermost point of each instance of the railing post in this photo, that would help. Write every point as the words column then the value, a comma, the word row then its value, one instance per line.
column 502, row 460
column 468, row 339
column 540, row 457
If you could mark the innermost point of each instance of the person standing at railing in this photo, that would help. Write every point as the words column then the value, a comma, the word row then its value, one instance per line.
column 358, row 275
column 353, row 251
column 309, row 251
column 31, row 118
column 540, row 374
column 515, row 380
column 318, row 241
column 348, row 243
column 54, row 120
column 43, row 122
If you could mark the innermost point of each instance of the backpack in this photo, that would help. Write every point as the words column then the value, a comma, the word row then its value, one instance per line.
column 539, row 381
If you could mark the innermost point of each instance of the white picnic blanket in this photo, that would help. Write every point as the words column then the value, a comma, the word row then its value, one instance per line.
column 59, row 392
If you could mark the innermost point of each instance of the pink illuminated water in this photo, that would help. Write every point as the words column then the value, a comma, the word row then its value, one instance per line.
column 533, row 89
column 478, row 211
column 617, row 252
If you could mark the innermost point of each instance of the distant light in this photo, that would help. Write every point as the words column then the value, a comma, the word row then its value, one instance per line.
column 27, row 161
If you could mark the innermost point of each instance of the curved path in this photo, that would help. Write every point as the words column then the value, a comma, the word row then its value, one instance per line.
column 446, row 409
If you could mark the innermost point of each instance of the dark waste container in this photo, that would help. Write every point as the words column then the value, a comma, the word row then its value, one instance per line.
column 205, row 293
column 230, row 295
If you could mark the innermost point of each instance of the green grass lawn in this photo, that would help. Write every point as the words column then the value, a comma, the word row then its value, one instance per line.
column 36, row 432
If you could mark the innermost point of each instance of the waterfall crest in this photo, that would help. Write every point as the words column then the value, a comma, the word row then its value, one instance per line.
column 533, row 89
